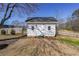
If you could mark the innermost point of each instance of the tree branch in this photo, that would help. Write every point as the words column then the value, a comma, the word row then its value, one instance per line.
column 10, row 12
column 2, row 21
column 5, row 15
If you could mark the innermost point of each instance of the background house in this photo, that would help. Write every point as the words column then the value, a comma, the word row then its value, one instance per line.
column 9, row 29
column 41, row 26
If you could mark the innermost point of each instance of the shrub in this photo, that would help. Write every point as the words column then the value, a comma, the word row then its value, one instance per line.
column 3, row 32
column 13, row 32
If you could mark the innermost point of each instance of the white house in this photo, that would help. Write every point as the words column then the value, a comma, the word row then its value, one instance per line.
column 9, row 28
column 41, row 26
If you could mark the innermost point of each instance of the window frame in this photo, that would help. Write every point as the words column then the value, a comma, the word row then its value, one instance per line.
column 49, row 27
column 32, row 27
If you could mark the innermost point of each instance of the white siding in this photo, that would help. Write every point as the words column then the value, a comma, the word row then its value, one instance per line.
column 41, row 29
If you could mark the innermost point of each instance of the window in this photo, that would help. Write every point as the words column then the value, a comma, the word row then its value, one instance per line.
column 49, row 28
column 32, row 27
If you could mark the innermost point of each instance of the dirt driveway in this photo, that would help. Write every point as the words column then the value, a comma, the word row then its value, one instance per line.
column 39, row 46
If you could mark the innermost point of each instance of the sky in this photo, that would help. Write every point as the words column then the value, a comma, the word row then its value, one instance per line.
column 58, row 10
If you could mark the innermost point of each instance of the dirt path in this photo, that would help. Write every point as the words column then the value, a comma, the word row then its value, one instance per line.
column 62, row 49
column 54, row 46
column 39, row 46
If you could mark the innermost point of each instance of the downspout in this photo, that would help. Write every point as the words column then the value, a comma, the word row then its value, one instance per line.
column 56, row 30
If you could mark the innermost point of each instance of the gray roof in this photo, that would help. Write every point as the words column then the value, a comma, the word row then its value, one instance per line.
column 41, row 19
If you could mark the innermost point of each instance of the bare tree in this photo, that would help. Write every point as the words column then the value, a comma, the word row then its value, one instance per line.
column 75, row 13
column 16, row 23
column 61, row 24
column 9, row 8
column 75, row 20
column 68, row 24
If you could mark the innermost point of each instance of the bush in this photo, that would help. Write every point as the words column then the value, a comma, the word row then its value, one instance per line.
column 13, row 32
column 3, row 32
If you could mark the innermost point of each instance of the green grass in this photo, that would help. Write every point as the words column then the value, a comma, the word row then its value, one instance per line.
column 69, row 40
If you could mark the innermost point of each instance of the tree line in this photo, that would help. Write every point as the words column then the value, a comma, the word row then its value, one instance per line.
column 72, row 22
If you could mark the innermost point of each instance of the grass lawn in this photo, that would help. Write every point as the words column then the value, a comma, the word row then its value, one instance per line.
column 4, row 37
column 69, row 40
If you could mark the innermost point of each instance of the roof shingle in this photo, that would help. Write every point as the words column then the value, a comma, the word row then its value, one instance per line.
column 41, row 19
